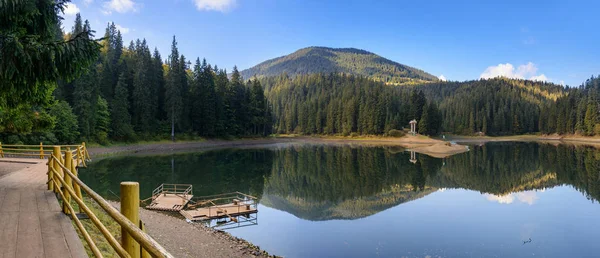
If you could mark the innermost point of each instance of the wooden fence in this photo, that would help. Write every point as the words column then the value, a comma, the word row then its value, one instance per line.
column 63, row 180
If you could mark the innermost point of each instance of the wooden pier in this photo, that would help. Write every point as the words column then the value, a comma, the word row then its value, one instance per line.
column 231, row 211
column 171, row 197
column 180, row 198
column 229, row 205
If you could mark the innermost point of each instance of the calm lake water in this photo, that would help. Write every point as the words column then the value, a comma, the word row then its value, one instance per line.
column 498, row 200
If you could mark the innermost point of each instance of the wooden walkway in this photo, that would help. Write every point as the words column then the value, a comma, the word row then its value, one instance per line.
column 31, row 221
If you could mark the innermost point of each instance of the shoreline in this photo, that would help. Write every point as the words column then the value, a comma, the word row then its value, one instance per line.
column 173, row 233
column 419, row 143
column 567, row 139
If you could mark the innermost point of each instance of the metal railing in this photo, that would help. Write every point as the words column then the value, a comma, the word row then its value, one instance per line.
column 182, row 190
column 63, row 180
column 237, row 201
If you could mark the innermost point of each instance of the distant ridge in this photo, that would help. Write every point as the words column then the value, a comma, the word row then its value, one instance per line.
column 342, row 60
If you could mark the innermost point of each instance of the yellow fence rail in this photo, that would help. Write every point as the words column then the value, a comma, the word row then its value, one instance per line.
column 80, row 153
column 63, row 180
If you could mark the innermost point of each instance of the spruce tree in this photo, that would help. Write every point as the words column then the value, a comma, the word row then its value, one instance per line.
column 122, row 129
column 173, row 95
column 30, row 47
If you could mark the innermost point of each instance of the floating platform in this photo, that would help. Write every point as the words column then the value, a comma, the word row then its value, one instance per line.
column 230, row 205
column 171, row 197
column 220, row 211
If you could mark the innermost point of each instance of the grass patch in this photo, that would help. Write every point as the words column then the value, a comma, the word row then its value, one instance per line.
column 113, row 227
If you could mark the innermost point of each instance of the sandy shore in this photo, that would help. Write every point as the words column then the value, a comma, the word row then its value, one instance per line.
column 421, row 144
column 555, row 139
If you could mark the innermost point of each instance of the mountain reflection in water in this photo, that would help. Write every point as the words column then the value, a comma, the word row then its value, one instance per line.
column 321, row 182
column 348, row 200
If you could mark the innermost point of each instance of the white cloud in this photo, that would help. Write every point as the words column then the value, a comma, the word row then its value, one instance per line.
column 562, row 83
column 526, row 71
column 122, row 29
column 442, row 78
column 540, row 77
column 120, row 6
column 87, row 2
column 215, row 5
column 506, row 199
column 529, row 197
column 71, row 9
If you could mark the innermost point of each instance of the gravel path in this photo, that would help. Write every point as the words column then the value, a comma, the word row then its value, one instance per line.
column 184, row 239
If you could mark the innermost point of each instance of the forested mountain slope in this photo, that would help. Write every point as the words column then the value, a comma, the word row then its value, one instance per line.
column 495, row 106
column 345, row 104
column 339, row 60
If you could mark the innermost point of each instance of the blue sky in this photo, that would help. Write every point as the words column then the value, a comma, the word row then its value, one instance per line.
column 546, row 40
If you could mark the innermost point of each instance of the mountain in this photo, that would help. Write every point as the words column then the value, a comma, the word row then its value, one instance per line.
column 347, row 60
column 360, row 207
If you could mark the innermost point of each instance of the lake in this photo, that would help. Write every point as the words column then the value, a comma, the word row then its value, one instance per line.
column 497, row 200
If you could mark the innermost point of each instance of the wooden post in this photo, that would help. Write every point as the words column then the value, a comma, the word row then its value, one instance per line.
column 86, row 154
column 144, row 253
column 68, row 182
column 130, row 205
column 76, row 187
column 57, row 168
column 41, row 150
column 1, row 152
column 78, row 155
column 81, row 151
column 50, row 174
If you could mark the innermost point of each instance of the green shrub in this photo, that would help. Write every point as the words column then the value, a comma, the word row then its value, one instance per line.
column 396, row 133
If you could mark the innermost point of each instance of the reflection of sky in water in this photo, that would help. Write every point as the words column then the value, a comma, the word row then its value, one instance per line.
column 528, row 197
column 449, row 223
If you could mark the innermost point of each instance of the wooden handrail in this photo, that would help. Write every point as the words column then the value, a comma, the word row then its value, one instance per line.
column 146, row 241
column 43, row 151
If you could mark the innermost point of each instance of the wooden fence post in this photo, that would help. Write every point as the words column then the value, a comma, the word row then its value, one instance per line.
column 1, row 152
column 130, row 205
column 76, row 187
column 50, row 174
column 68, row 182
column 78, row 155
column 57, row 168
column 41, row 150
column 86, row 155
column 144, row 253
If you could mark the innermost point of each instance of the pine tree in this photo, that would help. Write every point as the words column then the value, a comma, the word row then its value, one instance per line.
column 173, row 95
column 158, row 73
column 424, row 126
column 472, row 128
column 144, row 96
column 29, row 46
column 591, row 118
column 102, row 117
column 122, row 129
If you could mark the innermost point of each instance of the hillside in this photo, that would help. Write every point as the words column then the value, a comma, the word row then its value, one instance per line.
column 346, row 60
column 496, row 106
